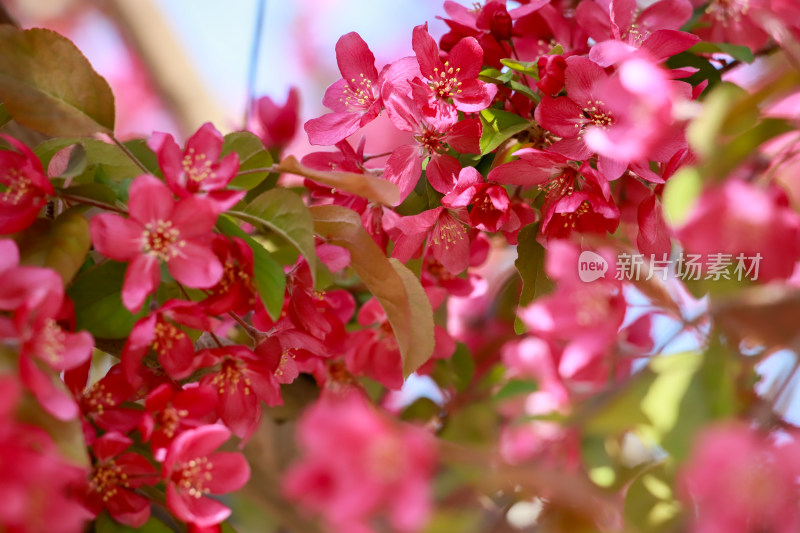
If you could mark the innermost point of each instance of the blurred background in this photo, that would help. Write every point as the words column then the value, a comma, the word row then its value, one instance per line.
column 175, row 64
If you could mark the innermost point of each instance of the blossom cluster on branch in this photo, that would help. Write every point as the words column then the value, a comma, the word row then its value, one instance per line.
column 165, row 310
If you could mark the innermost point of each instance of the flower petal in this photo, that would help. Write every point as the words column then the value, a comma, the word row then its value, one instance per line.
column 355, row 60
column 116, row 237
column 230, row 472
column 196, row 266
column 150, row 199
column 201, row 511
column 141, row 279
column 329, row 129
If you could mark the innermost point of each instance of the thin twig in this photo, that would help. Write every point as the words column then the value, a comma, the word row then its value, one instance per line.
column 270, row 170
column 93, row 203
column 130, row 155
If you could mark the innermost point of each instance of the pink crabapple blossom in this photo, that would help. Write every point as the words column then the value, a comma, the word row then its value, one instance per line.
column 159, row 229
column 193, row 469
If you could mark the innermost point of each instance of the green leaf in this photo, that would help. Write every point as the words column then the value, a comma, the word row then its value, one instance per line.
column 92, row 191
column 60, row 244
column 706, row 71
column 106, row 524
column 498, row 126
column 269, row 279
column 396, row 288
column 530, row 265
column 77, row 162
column 742, row 147
column 283, row 212
column 529, row 68
column 463, row 367
column 617, row 411
column 651, row 503
column 492, row 75
column 48, row 85
column 422, row 409
column 142, row 152
column 252, row 155
column 114, row 162
column 716, row 119
column 690, row 391
column 515, row 387
column 738, row 52
column 680, row 194
column 524, row 89
column 96, row 293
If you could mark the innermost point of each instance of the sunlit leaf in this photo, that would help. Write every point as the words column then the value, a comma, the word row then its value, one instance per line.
column 651, row 503
column 252, row 155
column 529, row 68
column 114, row 162
column 716, row 119
column 680, row 194
column 498, row 126
column 369, row 187
column 396, row 288
column 47, row 84
column 283, row 212
column 515, row 387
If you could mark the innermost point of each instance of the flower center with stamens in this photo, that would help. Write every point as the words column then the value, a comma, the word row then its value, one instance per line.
column 447, row 231
column 170, row 419
column 359, row 94
column 445, row 83
column 637, row 35
column 196, row 166
column 106, row 479
column 161, row 240
column 50, row 342
column 166, row 336
column 230, row 375
column 726, row 11
column 431, row 141
column 17, row 186
column 97, row 398
column 563, row 185
column 594, row 115
column 193, row 475
column 572, row 219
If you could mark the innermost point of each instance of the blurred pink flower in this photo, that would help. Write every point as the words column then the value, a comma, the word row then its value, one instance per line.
column 379, row 467
column 738, row 481
column 742, row 218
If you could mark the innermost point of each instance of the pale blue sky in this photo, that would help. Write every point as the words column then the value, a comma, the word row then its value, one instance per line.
column 218, row 35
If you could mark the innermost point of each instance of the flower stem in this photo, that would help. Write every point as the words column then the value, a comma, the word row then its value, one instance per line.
column 130, row 155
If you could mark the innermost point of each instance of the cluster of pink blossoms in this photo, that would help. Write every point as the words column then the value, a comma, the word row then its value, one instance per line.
column 547, row 127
